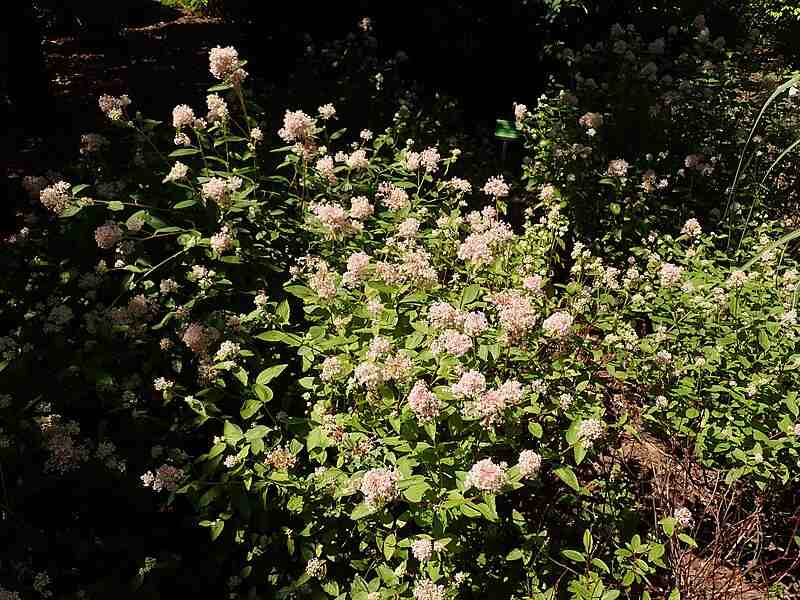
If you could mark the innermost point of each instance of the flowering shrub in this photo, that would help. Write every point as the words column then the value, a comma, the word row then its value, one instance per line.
column 636, row 131
column 429, row 404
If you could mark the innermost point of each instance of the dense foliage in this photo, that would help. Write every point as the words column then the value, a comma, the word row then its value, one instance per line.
column 351, row 364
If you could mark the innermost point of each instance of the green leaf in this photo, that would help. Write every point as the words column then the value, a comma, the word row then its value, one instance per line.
column 300, row 291
column 470, row 294
column 791, row 403
column 185, row 204
column 250, row 408
column 70, row 211
column 389, row 546
column 687, row 539
column 217, row 528
column 415, row 492
column 280, row 336
column 361, row 511
column 574, row 555
column 567, row 475
column 668, row 525
column 579, row 451
column 115, row 205
column 263, row 392
column 282, row 312
column 184, row 152
column 232, row 432
column 588, row 542
column 515, row 554
column 269, row 374
column 257, row 432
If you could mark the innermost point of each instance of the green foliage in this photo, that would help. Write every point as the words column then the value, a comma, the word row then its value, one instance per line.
column 355, row 386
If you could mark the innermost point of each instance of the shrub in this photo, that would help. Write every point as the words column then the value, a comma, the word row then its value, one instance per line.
column 637, row 131
column 358, row 386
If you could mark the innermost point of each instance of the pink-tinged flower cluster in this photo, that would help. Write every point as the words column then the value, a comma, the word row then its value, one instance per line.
column 516, row 314
column 534, row 284
column 698, row 162
column 322, row 280
column 108, row 235
column 66, row 450
column 558, row 324
column 425, row 589
column 670, row 275
column 280, row 459
column 423, row 402
column 591, row 120
column 529, row 463
column 475, row 323
column 325, row 167
column 222, row 241
column 166, row 477
column 135, row 315
column 488, row 235
column 617, row 168
column 442, row 315
column 176, row 173
column 379, row 487
column 92, row 143
column 335, row 219
column 357, row 266
column 182, row 116
column 422, row 549
column 378, row 346
column 224, row 64
column 692, row 228
column 113, row 107
column 297, row 127
column 414, row 267
column 490, row 405
column 520, row 112
column 408, row 228
column 368, row 375
column 547, row 193
column 200, row 338
column 591, row 430
column 220, row 190
column 331, row 369
column 327, row 111
column 393, row 197
column 357, row 160
column 217, row 109
column 453, row 342
column 496, row 187
column 316, row 567
column 486, row 476
column 472, row 384
column 360, row 208
column 429, row 160
column 459, row 186
column 683, row 517
column 55, row 198
column 736, row 279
